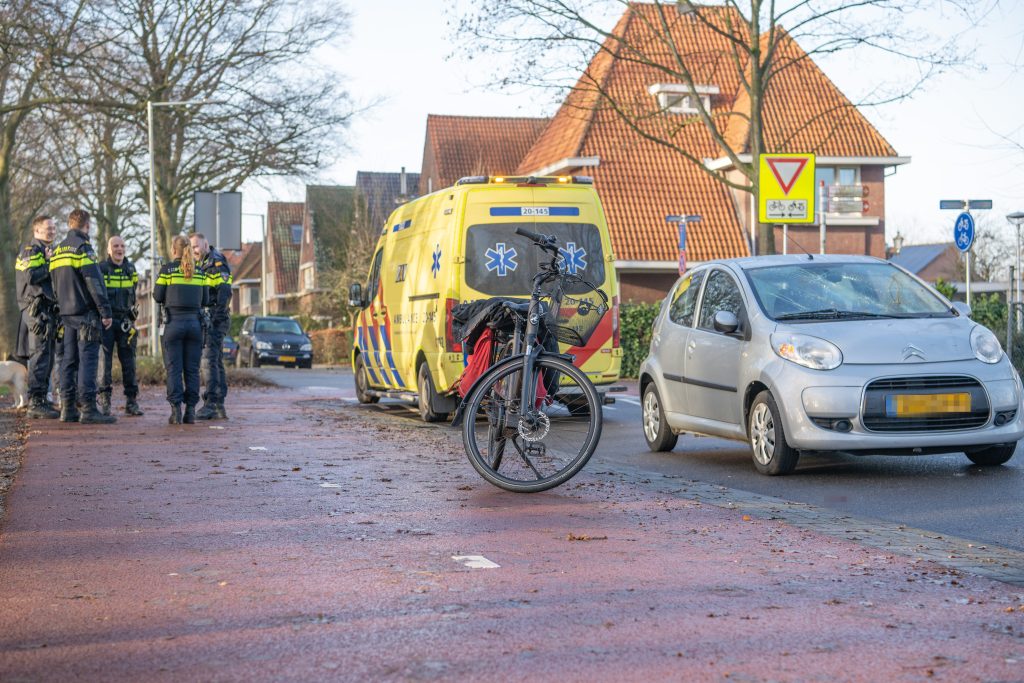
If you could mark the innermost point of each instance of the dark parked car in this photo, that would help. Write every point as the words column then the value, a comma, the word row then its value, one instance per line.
column 275, row 341
column 230, row 349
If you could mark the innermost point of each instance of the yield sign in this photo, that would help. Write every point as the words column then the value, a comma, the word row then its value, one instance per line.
column 786, row 170
column 785, row 189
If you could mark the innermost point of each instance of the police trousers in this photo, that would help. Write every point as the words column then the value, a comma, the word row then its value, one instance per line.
column 115, row 337
column 79, row 361
column 214, row 376
column 40, row 359
column 183, row 348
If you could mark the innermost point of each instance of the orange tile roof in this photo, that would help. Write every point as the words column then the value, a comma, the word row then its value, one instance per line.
column 475, row 145
column 641, row 181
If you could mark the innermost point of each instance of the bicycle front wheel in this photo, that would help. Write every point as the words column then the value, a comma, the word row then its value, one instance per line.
column 543, row 448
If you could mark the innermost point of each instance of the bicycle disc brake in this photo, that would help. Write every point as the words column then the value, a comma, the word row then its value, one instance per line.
column 541, row 425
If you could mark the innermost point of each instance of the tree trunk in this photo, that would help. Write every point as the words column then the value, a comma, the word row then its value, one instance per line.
column 10, row 239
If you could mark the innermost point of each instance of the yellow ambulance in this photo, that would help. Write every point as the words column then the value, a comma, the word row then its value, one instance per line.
column 459, row 245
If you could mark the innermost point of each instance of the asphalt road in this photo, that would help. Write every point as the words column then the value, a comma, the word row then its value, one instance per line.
column 946, row 494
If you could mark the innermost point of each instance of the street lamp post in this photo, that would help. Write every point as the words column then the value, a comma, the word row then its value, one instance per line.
column 153, row 326
column 1017, row 218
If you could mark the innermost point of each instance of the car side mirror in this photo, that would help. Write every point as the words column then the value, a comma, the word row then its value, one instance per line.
column 962, row 308
column 355, row 295
column 726, row 322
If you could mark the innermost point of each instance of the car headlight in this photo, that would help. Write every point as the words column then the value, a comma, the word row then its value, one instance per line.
column 263, row 346
column 986, row 347
column 306, row 347
column 810, row 352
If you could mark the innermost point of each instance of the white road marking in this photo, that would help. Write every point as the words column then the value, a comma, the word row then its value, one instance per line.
column 257, row 448
column 330, row 485
column 475, row 562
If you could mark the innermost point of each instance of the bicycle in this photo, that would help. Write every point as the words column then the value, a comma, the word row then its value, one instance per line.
column 533, row 419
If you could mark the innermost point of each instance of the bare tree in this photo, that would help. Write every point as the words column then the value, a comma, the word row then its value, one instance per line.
column 549, row 43
column 258, row 104
column 37, row 43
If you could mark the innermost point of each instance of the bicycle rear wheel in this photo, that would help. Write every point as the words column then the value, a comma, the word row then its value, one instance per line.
column 539, row 450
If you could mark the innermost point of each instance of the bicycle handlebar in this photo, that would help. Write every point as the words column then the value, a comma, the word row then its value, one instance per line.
column 546, row 242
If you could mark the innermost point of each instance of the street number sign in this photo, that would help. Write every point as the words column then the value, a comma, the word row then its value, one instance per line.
column 963, row 231
column 786, row 192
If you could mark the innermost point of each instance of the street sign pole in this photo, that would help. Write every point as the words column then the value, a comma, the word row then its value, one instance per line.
column 822, row 199
column 963, row 230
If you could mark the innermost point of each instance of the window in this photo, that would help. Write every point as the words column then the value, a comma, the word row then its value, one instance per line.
column 848, row 176
column 721, row 293
column 678, row 98
column 374, row 282
column 826, row 174
column 685, row 299
column 296, row 234
column 307, row 279
column 254, row 297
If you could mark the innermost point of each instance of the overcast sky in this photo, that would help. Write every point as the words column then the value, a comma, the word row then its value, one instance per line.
column 951, row 131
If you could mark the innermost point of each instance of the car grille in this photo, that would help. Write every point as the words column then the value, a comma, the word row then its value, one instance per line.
column 876, row 419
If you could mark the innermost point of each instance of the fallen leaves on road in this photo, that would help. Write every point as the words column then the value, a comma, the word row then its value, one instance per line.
column 584, row 537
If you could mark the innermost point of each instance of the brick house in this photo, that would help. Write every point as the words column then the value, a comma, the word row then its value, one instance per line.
column 931, row 261
column 641, row 181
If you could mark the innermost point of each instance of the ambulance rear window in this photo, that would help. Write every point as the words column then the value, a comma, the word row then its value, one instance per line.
column 501, row 263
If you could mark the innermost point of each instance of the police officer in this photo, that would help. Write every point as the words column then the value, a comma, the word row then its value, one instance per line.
column 37, row 330
column 182, row 290
column 218, row 275
column 85, row 312
column 121, row 278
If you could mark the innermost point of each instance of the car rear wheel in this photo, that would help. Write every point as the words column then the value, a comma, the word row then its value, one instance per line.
column 993, row 455
column 428, row 396
column 772, row 453
column 656, row 430
column 363, row 383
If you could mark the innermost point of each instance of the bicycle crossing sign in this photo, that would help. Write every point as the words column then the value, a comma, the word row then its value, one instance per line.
column 963, row 232
column 786, row 188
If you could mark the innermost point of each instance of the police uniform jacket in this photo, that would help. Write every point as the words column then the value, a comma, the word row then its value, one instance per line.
column 120, row 281
column 179, row 294
column 218, row 275
column 32, row 274
column 77, row 279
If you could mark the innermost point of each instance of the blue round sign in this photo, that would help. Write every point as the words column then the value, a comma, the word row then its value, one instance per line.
column 963, row 231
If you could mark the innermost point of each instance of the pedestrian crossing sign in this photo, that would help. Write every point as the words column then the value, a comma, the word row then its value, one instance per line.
column 786, row 188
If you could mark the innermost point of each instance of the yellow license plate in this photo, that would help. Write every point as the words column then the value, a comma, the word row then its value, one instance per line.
column 287, row 359
column 916, row 405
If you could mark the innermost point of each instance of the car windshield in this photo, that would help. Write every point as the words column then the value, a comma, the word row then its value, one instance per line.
column 278, row 327
column 842, row 291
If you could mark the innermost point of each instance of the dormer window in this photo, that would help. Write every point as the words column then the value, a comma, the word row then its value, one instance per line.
column 678, row 98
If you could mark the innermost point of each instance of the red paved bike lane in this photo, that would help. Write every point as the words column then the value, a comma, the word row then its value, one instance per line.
column 313, row 540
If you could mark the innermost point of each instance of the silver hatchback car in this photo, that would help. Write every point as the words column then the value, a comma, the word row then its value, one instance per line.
column 826, row 353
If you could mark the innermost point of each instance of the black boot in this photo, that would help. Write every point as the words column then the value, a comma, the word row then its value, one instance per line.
column 207, row 412
column 103, row 403
column 219, row 413
column 68, row 411
column 39, row 409
column 190, row 415
column 175, row 418
column 131, row 407
column 91, row 415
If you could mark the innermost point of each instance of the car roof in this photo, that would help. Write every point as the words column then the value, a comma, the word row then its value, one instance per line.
column 752, row 262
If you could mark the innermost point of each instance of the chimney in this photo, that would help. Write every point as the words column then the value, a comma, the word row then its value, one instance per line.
column 405, row 189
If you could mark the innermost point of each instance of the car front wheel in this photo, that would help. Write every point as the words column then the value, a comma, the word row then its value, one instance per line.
column 993, row 455
column 656, row 430
column 772, row 453
column 363, row 383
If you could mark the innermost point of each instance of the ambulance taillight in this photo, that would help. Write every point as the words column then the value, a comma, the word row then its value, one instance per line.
column 450, row 343
column 615, row 322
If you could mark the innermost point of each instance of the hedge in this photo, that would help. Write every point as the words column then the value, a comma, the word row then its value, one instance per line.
column 332, row 346
column 635, row 322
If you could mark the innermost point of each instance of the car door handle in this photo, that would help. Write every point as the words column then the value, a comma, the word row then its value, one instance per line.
column 692, row 345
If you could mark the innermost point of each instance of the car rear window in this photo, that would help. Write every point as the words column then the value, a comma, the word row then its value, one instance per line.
column 501, row 263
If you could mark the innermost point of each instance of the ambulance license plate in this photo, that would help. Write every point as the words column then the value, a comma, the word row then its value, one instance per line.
column 916, row 405
column 286, row 359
